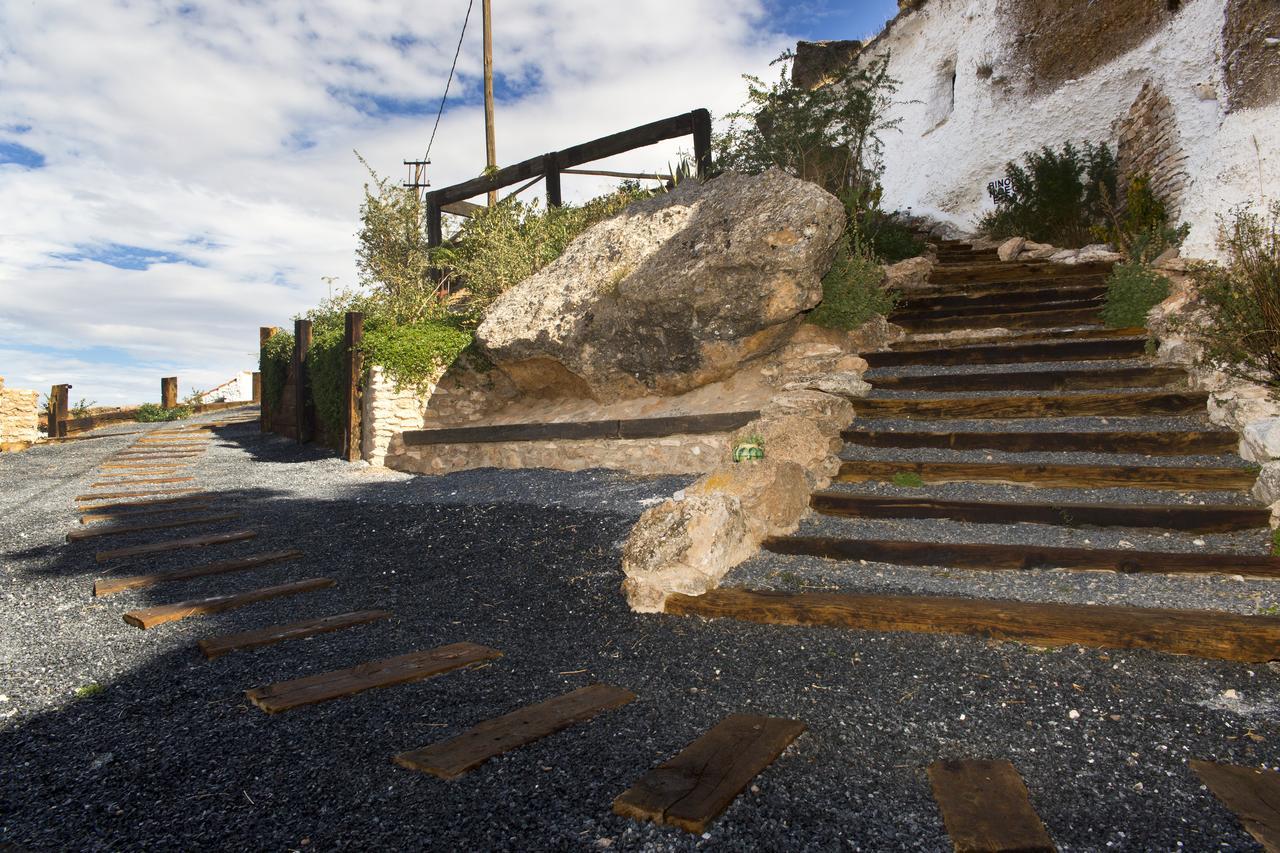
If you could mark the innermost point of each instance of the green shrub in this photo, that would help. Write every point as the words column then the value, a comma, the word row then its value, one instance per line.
column 1054, row 196
column 326, row 375
column 1133, row 289
column 1140, row 229
column 273, row 364
column 1239, row 301
column 852, row 290
column 154, row 413
column 908, row 480
column 890, row 239
column 412, row 354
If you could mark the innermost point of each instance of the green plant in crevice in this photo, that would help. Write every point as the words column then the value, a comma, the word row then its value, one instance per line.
column 1133, row 289
column 1275, row 543
column 1053, row 196
column 86, row 691
column 853, row 289
column 1236, row 321
column 908, row 480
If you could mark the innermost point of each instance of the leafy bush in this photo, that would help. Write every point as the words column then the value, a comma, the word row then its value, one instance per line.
column 505, row 244
column 1133, row 289
column 273, row 364
column 154, row 413
column 410, row 354
column 1054, row 197
column 1141, row 228
column 1239, row 301
column 852, row 290
column 888, row 237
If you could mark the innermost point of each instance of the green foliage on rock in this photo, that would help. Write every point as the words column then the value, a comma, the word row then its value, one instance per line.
column 1055, row 197
column 1237, row 316
column 273, row 364
column 411, row 355
column 853, row 289
column 155, row 413
column 1133, row 289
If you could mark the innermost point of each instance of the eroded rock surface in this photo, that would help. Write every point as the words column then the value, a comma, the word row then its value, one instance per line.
column 673, row 293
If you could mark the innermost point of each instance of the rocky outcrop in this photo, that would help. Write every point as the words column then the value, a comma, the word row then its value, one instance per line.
column 1022, row 249
column 688, row 543
column 19, row 417
column 673, row 293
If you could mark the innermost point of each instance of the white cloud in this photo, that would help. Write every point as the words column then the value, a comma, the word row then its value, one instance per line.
column 222, row 132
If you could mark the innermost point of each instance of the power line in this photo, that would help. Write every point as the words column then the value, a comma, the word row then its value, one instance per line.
column 445, row 96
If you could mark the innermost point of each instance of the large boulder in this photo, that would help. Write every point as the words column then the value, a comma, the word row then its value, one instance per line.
column 673, row 293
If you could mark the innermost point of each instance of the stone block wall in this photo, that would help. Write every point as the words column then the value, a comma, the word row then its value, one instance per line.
column 1148, row 142
column 387, row 411
column 19, row 415
column 675, row 454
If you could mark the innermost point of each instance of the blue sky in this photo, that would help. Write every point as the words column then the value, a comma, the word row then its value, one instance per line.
column 176, row 175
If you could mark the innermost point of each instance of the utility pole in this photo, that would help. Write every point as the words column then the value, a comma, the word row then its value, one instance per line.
column 490, row 144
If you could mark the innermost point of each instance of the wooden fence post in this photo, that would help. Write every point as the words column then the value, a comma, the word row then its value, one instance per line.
column 354, row 367
column 302, row 398
column 552, row 177
column 169, row 392
column 702, row 142
column 265, row 333
column 59, row 410
column 257, row 388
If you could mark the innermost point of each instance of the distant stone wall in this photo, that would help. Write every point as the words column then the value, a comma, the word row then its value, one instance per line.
column 19, row 415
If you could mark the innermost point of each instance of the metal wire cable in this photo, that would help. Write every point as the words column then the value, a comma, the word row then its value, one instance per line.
column 445, row 96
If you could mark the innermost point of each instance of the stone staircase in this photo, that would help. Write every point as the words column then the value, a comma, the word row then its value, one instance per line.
column 1057, row 445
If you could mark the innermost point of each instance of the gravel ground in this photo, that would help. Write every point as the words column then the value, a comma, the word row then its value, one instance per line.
column 168, row 755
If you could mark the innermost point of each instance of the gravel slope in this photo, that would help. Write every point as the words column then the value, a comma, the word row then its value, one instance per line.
column 170, row 756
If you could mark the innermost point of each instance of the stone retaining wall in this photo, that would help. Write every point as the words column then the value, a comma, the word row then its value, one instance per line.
column 19, row 415
column 674, row 454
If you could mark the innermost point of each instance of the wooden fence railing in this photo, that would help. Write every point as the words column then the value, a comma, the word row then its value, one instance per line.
column 550, row 165
column 58, row 421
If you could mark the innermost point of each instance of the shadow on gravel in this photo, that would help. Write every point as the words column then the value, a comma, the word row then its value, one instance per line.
column 169, row 755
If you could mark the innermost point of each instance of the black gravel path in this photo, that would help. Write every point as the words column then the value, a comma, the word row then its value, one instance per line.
column 169, row 755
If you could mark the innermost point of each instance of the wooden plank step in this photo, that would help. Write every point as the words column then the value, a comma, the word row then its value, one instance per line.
column 99, row 496
column 216, row 647
column 987, row 809
column 127, row 480
column 1014, row 271
column 1013, row 353
column 1038, row 380
column 184, row 496
column 992, row 557
column 1061, row 476
column 173, row 509
column 121, row 529
column 325, row 686
column 1164, row 443
column 154, row 455
column 451, row 758
column 1190, row 518
column 141, row 468
column 913, row 301
column 913, row 313
column 1253, row 794
column 913, row 344
column 175, row 545
column 1202, row 633
column 150, row 617
column 1128, row 403
column 1075, row 314
column 110, row 586
column 697, row 785
column 1007, row 286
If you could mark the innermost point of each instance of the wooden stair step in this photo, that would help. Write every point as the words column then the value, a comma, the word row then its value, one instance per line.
column 143, row 494
column 1087, row 289
column 916, row 313
column 1162, row 443
column 175, row 545
column 1018, row 352
column 976, row 556
column 1129, row 403
column 986, row 808
column 1043, row 281
column 121, row 529
column 1038, row 380
column 404, row 669
column 126, row 480
column 182, row 496
column 110, row 586
column 1202, row 633
column 216, row 647
column 451, row 758
column 129, row 515
column 143, row 468
column 692, row 789
column 1252, row 794
column 150, row 617
column 1067, row 315
column 913, row 344
column 1164, row 478
column 1193, row 518
column 1016, row 271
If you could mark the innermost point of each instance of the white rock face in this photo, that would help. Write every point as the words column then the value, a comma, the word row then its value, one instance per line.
column 1010, row 248
column 673, row 293
column 1267, row 488
column 1260, row 441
